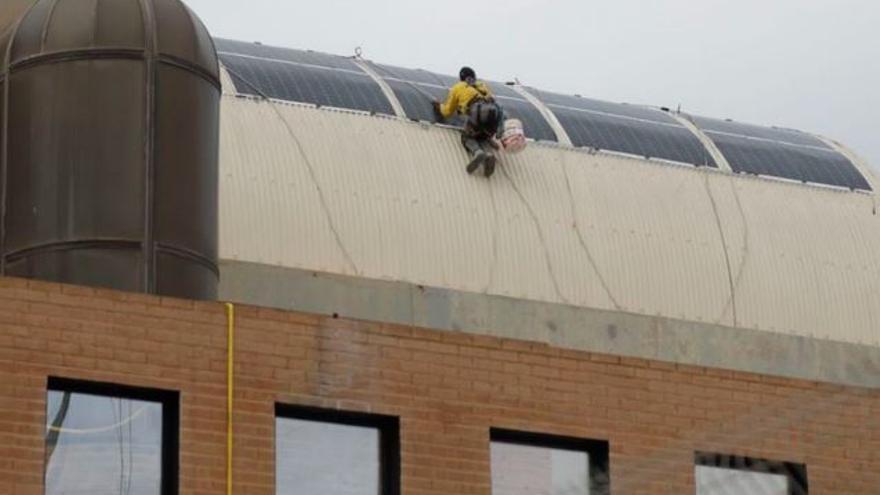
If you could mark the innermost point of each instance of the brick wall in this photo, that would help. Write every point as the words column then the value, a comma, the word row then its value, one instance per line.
column 447, row 388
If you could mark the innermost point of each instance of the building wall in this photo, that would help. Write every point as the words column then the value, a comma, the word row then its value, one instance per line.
column 447, row 388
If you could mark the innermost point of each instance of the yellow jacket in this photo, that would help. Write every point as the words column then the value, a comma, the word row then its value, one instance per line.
column 460, row 97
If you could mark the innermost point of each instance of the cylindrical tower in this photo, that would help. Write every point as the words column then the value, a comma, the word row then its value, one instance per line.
column 110, row 121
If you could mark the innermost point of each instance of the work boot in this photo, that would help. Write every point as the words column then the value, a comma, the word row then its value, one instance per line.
column 480, row 156
column 489, row 168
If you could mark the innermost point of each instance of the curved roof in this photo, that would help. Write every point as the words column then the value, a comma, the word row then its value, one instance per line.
column 657, row 134
column 378, row 198
column 373, row 196
column 55, row 28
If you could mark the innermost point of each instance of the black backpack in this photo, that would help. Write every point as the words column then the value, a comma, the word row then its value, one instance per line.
column 484, row 115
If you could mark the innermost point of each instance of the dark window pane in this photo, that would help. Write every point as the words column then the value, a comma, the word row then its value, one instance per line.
column 101, row 445
column 719, row 474
column 319, row 458
column 530, row 470
column 723, row 481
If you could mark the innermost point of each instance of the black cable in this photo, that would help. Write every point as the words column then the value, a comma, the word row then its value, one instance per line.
column 54, row 433
column 117, row 417
column 130, row 448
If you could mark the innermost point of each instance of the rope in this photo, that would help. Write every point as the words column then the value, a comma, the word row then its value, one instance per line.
column 580, row 235
column 730, row 280
column 540, row 232
column 745, row 249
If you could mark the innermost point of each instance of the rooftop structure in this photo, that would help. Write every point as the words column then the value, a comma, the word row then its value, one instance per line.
column 621, row 228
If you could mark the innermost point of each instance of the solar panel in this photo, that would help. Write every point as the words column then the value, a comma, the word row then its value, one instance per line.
column 306, row 84
column 783, row 153
column 416, row 100
column 626, row 128
column 296, row 75
column 414, row 75
column 285, row 54
column 801, row 163
column 416, row 88
column 717, row 126
column 597, row 106
column 534, row 124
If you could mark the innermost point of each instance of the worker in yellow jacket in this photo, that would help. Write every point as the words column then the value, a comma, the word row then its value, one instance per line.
column 474, row 100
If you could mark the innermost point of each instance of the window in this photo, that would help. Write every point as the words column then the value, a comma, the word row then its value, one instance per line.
column 105, row 439
column 534, row 464
column 731, row 475
column 321, row 452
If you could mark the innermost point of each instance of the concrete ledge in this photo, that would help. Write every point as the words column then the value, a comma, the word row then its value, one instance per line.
column 601, row 331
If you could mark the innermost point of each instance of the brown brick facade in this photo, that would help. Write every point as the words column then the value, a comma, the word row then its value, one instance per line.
column 447, row 388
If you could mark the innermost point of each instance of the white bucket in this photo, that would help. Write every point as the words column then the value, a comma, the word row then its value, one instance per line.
column 514, row 137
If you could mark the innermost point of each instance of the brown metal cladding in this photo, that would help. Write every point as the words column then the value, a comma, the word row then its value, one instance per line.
column 11, row 11
column 60, row 156
column 111, row 133
column 185, row 221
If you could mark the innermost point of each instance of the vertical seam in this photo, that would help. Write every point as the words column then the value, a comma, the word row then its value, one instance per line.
column 580, row 236
column 396, row 106
column 150, row 44
column 45, row 32
column 4, row 160
column 95, row 22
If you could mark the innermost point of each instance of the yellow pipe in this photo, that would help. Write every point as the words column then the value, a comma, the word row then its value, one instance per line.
column 230, row 372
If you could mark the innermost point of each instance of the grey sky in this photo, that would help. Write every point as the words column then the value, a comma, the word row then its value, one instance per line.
column 808, row 64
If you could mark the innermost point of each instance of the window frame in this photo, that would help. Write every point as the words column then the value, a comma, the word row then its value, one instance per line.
column 596, row 450
column 796, row 473
column 387, row 426
column 170, row 402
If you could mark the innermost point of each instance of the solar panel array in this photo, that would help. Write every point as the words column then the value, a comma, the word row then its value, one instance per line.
column 781, row 153
column 625, row 128
column 307, row 77
column 416, row 88
column 329, row 80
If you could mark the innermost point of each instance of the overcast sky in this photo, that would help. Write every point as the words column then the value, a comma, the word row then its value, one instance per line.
column 808, row 64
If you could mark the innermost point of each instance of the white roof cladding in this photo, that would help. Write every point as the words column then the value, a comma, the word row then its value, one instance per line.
column 385, row 198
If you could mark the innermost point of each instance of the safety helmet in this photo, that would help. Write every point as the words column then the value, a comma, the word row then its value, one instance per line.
column 465, row 73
